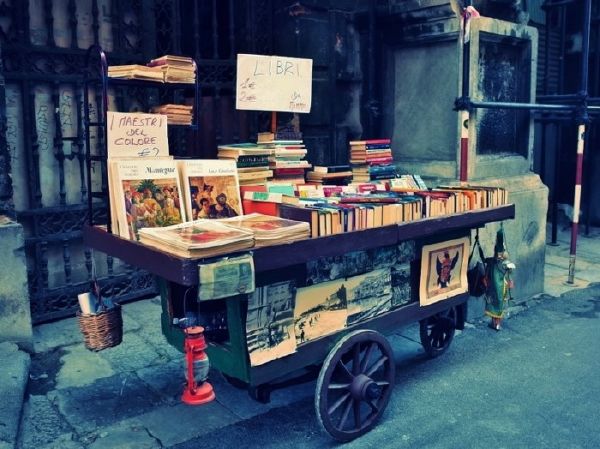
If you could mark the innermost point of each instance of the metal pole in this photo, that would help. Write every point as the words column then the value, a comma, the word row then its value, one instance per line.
column 580, row 138
column 561, row 82
column 529, row 106
column 464, row 113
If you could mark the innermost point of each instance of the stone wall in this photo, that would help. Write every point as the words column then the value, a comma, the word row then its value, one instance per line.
column 15, row 318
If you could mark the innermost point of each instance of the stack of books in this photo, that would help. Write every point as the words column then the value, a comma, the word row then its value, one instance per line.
column 175, row 69
column 354, row 212
column 332, row 175
column 371, row 160
column 287, row 156
column 252, row 161
column 200, row 238
column 177, row 114
column 270, row 230
column 136, row 71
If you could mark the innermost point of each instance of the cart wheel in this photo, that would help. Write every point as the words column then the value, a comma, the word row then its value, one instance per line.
column 357, row 376
column 437, row 332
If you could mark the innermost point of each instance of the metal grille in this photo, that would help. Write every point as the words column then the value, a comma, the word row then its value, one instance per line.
column 43, row 48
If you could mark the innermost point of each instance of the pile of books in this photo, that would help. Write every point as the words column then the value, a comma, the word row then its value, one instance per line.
column 371, row 160
column 166, row 69
column 177, row 114
column 136, row 71
column 200, row 238
column 287, row 156
column 269, row 230
column 252, row 161
column 332, row 174
column 354, row 212
column 447, row 200
column 175, row 69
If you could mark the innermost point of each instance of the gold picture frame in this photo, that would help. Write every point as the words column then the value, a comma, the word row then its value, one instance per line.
column 443, row 270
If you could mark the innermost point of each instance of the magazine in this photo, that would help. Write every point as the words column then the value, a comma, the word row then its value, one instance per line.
column 270, row 230
column 146, row 195
column 199, row 234
column 211, row 188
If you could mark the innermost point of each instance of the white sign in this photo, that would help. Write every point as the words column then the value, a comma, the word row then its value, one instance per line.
column 132, row 135
column 273, row 83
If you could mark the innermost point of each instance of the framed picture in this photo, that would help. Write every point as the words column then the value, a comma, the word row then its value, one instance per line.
column 443, row 270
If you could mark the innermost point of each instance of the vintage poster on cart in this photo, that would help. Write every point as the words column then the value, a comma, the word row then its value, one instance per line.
column 270, row 322
column 321, row 309
column 369, row 295
column 443, row 270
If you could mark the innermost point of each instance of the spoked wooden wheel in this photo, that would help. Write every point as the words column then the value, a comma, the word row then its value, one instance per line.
column 437, row 332
column 355, row 384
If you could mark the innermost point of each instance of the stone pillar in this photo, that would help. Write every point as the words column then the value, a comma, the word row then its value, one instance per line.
column 423, row 79
column 15, row 316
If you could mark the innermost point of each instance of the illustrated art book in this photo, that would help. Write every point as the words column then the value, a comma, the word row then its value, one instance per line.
column 211, row 188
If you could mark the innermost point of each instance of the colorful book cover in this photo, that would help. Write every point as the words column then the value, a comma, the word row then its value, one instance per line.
column 263, row 223
column 211, row 188
column 148, row 195
column 199, row 234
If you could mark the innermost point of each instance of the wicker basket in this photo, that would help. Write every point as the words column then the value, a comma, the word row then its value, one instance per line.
column 102, row 330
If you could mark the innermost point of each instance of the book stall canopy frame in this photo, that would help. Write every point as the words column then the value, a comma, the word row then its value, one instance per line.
column 96, row 55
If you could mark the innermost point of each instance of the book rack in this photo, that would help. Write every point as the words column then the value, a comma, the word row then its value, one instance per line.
column 96, row 55
column 185, row 271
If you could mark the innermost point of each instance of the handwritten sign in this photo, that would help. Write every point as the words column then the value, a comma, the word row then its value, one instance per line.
column 134, row 135
column 273, row 83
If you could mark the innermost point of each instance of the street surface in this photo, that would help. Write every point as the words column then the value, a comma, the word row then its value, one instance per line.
column 535, row 384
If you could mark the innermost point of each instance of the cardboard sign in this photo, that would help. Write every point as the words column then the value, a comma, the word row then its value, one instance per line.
column 133, row 135
column 273, row 83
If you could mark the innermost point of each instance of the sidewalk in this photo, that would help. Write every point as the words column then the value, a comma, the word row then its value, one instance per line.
column 128, row 396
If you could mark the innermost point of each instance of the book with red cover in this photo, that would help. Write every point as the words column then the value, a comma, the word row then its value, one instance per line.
column 371, row 141
column 261, row 207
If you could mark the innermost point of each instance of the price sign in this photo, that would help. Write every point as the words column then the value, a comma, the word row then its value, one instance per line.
column 132, row 135
column 273, row 83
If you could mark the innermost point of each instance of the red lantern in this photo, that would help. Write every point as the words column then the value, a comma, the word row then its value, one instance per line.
column 197, row 390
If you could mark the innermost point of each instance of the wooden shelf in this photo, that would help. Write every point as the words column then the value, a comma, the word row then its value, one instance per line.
column 185, row 271
column 133, row 82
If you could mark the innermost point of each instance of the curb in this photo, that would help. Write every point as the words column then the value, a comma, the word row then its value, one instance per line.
column 14, row 372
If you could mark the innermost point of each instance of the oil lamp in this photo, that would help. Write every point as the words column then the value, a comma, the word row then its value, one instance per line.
column 197, row 390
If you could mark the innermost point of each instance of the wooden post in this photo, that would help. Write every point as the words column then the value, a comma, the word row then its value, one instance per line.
column 273, row 122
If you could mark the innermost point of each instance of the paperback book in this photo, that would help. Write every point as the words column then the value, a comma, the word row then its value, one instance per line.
column 211, row 188
column 146, row 193
column 196, row 239
column 269, row 230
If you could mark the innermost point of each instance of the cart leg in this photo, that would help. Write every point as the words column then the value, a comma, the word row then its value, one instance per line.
column 260, row 393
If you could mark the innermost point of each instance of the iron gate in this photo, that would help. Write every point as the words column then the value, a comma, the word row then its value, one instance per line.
column 43, row 48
